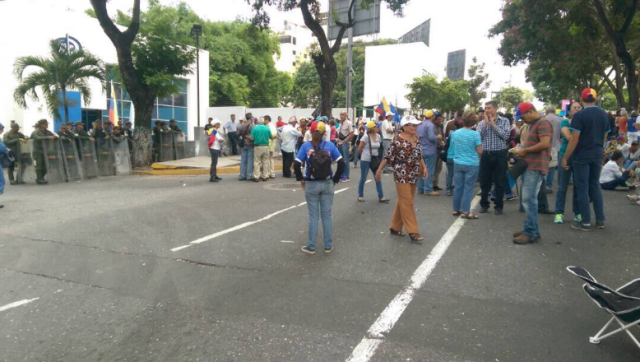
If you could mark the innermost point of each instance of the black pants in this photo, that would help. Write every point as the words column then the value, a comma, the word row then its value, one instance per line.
column 493, row 168
column 233, row 138
column 214, row 162
column 287, row 161
column 11, row 167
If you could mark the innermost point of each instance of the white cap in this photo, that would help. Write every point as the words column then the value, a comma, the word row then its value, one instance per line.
column 390, row 114
column 409, row 120
column 215, row 121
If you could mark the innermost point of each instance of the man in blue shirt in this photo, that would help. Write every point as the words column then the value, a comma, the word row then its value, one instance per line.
column 429, row 140
column 589, row 129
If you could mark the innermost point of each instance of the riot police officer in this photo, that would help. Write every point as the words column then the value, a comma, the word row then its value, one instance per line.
column 42, row 134
column 11, row 140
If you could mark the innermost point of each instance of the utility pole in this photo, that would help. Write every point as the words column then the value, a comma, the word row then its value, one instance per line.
column 349, row 87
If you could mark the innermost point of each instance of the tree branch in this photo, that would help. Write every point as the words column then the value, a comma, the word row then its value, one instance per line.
column 343, row 28
column 315, row 27
column 112, row 31
column 134, row 27
column 630, row 15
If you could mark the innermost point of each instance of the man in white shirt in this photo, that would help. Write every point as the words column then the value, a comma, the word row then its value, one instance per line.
column 215, row 146
column 231, row 130
column 289, row 139
column 613, row 176
column 387, row 135
column 345, row 134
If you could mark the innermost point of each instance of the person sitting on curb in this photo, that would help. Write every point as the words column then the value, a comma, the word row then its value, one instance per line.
column 613, row 177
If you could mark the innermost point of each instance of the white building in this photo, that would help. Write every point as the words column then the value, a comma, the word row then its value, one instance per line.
column 294, row 46
column 29, row 25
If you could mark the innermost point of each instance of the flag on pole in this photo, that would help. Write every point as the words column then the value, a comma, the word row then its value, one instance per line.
column 113, row 107
column 383, row 107
column 396, row 117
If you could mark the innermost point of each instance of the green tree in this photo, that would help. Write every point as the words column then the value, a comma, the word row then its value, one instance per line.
column 65, row 70
column 147, row 64
column 323, row 59
column 510, row 97
column 570, row 32
column 306, row 91
column 478, row 83
column 427, row 92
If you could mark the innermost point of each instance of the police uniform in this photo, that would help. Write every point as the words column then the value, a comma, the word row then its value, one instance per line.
column 38, row 153
column 12, row 141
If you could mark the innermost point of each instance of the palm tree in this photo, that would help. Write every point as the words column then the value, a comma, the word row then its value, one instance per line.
column 63, row 71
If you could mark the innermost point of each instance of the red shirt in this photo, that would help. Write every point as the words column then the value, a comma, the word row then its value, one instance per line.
column 334, row 133
column 280, row 124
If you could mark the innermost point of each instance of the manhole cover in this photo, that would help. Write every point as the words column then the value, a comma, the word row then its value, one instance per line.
column 287, row 186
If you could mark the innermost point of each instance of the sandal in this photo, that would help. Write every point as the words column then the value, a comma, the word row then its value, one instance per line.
column 470, row 216
column 384, row 201
column 360, row 199
column 397, row 233
column 416, row 238
column 456, row 213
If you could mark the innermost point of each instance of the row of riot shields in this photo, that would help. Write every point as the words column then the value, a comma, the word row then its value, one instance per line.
column 67, row 161
column 172, row 147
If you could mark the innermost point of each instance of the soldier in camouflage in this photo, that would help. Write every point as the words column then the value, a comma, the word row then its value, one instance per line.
column 42, row 134
column 12, row 139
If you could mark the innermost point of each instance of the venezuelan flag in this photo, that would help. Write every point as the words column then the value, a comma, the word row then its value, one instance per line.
column 113, row 107
column 396, row 117
column 383, row 108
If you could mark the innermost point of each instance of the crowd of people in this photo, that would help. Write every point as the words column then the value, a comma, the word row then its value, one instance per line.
column 581, row 148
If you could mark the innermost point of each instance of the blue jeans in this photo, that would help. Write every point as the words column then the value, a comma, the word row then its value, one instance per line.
column 319, row 196
column 426, row 184
column 364, row 172
column 586, row 177
column 2, row 181
column 620, row 181
column 465, row 179
column 531, row 183
column 563, row 183
column 344, row 151
column 550, row 176
column 246, row 163
column 629, row 165
column 450, row 171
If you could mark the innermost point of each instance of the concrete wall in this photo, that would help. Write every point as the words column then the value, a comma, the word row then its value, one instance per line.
column 224, row 113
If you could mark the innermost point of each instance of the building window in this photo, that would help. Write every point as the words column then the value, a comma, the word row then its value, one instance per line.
column 123, row 100
column 294, row 52
column 173, row 107
column 294, row 40
column 285, row 39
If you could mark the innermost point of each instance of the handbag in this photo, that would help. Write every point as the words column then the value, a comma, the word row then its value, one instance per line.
column 518, row 168
column 375, row 160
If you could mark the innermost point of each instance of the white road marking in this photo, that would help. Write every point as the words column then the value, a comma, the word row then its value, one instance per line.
column 17, row 304
column 287, row 241
column 365, row 350
column 367, row 181
column 242, row 226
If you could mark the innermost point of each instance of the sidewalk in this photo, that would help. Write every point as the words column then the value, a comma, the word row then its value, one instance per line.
column 198, row 166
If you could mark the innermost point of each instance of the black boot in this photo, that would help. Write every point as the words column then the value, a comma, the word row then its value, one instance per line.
column 213, row 179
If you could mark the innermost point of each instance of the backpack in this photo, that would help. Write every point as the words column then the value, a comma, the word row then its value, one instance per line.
column 320, row 164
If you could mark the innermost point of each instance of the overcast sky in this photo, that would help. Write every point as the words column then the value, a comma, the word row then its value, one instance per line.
column 455, row 25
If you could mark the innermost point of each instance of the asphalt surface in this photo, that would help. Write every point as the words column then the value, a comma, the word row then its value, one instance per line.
column 97, row 255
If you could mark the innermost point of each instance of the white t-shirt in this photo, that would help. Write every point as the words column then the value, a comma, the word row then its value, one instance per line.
column 217, row 143
column 624, row 149
column 610, row 172
column 386, row 127
column 289, row 138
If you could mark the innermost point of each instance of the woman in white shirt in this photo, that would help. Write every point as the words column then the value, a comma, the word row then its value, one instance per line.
column 612, row 175
column 215, row 146
column 370, row 151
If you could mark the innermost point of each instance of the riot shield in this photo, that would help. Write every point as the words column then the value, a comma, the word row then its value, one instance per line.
column 166, row 146
column 122, row 158
column 26, row 171
column 178, row 146
column 54, row 162
column 72, row 163
column 105, row 157
column 88, row 156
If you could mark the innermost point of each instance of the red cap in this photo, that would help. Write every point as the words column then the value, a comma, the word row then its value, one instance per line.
column 589, row 95
column 320, row 126
column 525, row 107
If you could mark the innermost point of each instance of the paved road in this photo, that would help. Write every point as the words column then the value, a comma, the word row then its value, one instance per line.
column 98, row 256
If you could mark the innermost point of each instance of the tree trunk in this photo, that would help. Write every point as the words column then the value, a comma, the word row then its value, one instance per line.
column 328, row 75
column 142, row 145
column 65, row 104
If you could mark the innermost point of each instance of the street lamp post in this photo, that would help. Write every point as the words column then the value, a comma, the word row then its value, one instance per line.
column 196, row 31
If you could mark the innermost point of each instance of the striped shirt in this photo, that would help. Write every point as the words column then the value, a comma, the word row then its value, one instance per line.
column 495, row 138
column 538, row 161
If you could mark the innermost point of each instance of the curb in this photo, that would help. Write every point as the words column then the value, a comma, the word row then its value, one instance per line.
column 190, row 171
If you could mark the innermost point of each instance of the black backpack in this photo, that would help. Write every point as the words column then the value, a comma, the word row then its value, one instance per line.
column 320, row 163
